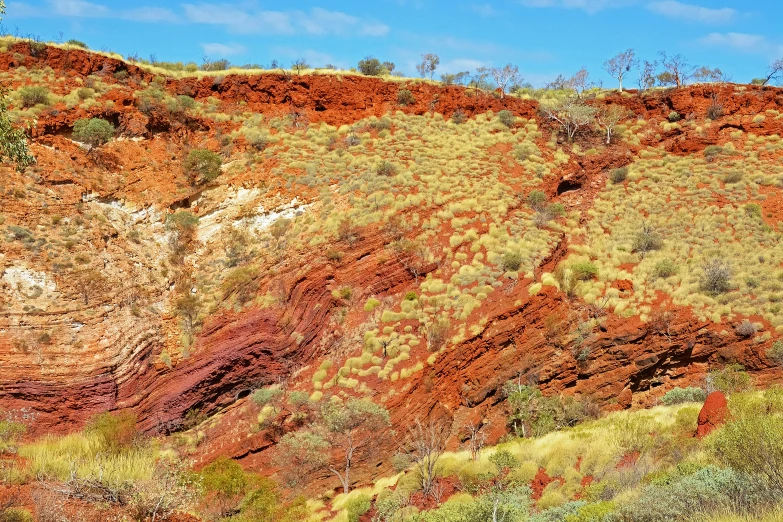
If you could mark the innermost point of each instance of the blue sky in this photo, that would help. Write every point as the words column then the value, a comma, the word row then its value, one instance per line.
column 543, row 37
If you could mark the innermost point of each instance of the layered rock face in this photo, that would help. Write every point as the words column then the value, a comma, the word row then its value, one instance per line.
column 89, row 297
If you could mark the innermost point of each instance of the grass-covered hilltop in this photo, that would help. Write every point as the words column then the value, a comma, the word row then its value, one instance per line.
column 271, row 293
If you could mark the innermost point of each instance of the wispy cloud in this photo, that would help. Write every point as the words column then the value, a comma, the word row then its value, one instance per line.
column 589, row 6
column 693, row 13
column 484, row 10
column 223, row 50
column 317, row 21
column 82, row 9
column 743, row 42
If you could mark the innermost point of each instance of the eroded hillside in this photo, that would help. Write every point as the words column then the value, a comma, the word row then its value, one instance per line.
column 420, row 253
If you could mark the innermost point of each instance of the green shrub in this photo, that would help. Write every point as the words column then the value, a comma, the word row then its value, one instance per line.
column 511, row 261
column 382, row 124
column 681, row 395
column 775, row 352
column 753, row 210
column 647, row 239
column 116, row 431
column 559, row 513
column 584, row 270
column 356, row 507
column 405, row 98
column 334, row 255
column 709, row 490
column 619, row 175
column 732, row 378
column 264, row 396
column 370, row 66
column 674, row 116
column 537, row 200
column 85, row 93
column 226, row 483
column 733, row 177
column 386, row 168
column 556, row 210
column 15, row 514
column 507, row 118
column 186, row 102
column 665, row 268
column 711, row 152
column 411, row 296
column 77, row 43
column 34, row 95
column 716, row 277
column 203, row 165
column 94, row 132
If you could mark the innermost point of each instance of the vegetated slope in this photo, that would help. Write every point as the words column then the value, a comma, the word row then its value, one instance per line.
column 353, row 246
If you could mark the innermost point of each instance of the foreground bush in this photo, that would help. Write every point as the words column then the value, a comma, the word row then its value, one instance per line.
column 682, row 395
column 709, row 490
column 35, row 95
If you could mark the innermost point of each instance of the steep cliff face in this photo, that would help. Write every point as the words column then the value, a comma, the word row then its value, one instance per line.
column 89, row 319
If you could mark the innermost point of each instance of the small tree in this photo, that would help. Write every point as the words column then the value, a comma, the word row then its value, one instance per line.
column 203, row 165
column 299, row 455
column 608, row 118
column 504, row 76
column 370, row 66
column 93, row 132
column 13, row 142
column 429, row 63
column 425, row 445
column 705, row 74
column 646, row 79
column 571, row 115
column 716, row 277
column 352, row 428
column 455, row 79
column 300, row 65
column 677, row 70
column 619, row 66
column 774, row 72
column 225, row 483
column 579, row 81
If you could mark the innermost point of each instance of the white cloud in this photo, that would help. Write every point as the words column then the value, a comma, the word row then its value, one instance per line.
column 742, row 42
column 484, row 10
column 223, row 50
column 693, row 13
column 82, row 9
column 317, row 21
column 589, row 6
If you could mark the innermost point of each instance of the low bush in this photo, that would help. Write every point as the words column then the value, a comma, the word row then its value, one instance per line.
column 34, row 95
column 647, row 239
column 77, row 43
column 511, row 261
column 386, row 168
column 619, row 175
column 370, row 66
column 356, row 507
column 665, row 268
column 716, row 277
column 459, row 117
column 714, row 111
column 730, row 379
column 745, row 329
column 681, row 395
column 584, row 270
column 674, row 116
column 116, row 431
column 203, row 165
column 93, row 132
column 537, row 200
column 405, row 98
column 775, row 352
column 709, row 490
column 507, row 118
column 733, row 177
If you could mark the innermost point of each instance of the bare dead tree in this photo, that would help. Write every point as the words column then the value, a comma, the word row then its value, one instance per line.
column 579, row 81
column 425, row 445
column 774, row 72
column 504, row 76
column 608, row 118
column 621, row 65
column 476, row 437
